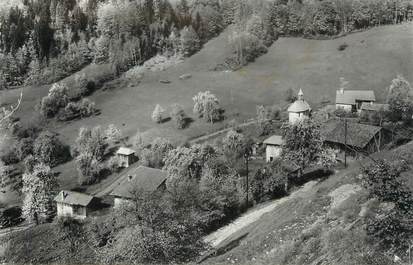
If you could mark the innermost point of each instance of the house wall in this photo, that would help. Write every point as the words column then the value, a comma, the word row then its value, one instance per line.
column 272, row 152
column 345, row 107
column 295, row 117
column 119, row 202
column 66, row 210
column 125, row 161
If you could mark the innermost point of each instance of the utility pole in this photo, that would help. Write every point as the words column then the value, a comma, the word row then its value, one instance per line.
column 246, row 156
column 345, row 142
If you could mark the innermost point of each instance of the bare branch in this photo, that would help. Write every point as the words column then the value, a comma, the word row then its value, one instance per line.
column 13, row 109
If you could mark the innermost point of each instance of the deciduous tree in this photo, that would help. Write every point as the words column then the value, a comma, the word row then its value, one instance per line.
column 39, row 189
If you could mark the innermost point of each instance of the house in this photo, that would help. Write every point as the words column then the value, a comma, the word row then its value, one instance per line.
column 138, row 179
column 361, row 138
column 73, row 204
column 273, row 147
column 370, row 108
column 126, row 157
column 299, row 110
column 351, row 100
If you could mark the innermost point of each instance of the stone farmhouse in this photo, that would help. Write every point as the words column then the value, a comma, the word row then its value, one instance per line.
column 73, row 204
column 352, row 100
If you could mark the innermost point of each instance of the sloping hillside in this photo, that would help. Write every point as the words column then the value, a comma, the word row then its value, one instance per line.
column 373, row 58
column 321, row 225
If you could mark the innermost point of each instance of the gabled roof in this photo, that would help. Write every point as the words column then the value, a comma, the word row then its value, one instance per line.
column 274, row 140
column 73, row 198
column 299, row 106
column 358, row 135
column 141, row 179
column 374, row 106
column 350, row 97
column 125, row 151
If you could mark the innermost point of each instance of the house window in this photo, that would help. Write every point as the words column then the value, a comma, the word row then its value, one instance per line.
column 77, row 210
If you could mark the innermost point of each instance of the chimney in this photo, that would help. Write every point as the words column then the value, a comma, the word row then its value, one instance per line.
column 64, row 195
column 129, row 178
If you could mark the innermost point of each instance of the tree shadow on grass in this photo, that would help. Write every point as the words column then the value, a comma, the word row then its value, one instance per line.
column 165, row 120
column 187, row 122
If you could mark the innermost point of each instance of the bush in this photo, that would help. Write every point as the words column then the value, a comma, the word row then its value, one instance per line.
column 55, row 100
column 50, row 150
column 157, row 114
column 178, row 116
column 10, row 217
column 206, row 105
column 113, row 164
column 84, row 108
column 24, row 148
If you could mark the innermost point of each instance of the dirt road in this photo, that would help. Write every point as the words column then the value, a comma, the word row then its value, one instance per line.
column 252, row 216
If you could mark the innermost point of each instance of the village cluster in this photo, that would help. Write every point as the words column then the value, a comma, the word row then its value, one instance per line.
column 343, row 135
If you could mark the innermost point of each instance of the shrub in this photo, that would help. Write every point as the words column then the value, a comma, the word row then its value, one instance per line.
column 24, row 148
column 87, row 107
column 89, row 169
column 55, row 100
column 157, row 114
column 113, row 134
column 178, row 116
column 113, row 164
column 84, row 108
column 49, row 149
column 206, row 105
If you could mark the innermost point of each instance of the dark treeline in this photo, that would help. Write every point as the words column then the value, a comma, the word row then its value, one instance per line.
column 50, row 39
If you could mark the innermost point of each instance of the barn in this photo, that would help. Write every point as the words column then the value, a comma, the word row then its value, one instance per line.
column 361, row 138
column 138, row 179
column 352, row 100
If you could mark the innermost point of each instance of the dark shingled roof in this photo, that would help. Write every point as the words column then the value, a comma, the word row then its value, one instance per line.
column 350, row 96
column 374, row 106
column 139, row 178
column 73, row 198
column 358, row 135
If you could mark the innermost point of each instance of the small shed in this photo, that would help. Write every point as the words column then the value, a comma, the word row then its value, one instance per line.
column 126, row 157
column 371, row 108
column 273, row 147
column 139, row 179
column 351, row 100
column 73, row 204
column 299, row 110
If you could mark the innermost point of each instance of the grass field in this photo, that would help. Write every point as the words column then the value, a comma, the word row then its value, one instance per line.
column 373, row 58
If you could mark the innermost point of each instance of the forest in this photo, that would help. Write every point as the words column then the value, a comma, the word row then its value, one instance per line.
column 45, row 41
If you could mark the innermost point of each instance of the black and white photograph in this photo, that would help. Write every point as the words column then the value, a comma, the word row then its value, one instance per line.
column 212, row 132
